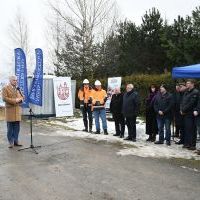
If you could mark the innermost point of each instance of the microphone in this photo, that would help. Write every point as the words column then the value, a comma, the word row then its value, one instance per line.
column 18, row 88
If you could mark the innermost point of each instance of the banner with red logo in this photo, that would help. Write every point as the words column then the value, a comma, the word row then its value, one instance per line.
column 63, row 96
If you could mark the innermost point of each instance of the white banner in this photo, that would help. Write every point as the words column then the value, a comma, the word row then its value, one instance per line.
column 3, row 82
column 63, row 96
column 114, row 82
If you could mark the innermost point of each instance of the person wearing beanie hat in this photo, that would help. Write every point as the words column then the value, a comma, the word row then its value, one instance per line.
column 163, row 107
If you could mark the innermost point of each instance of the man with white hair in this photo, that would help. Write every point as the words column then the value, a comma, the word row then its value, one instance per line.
column 130, row 109
column 13, row 98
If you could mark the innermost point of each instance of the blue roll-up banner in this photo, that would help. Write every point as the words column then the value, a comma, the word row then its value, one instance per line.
column 21, row 73
column 36, row 90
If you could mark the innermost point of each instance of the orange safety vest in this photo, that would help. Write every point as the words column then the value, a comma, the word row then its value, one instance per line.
column 85, row 94
column 98, row 98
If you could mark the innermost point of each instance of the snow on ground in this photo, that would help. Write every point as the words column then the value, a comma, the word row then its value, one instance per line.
column 140, row 148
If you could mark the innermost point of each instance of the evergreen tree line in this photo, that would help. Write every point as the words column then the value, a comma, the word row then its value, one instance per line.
column 153, row 47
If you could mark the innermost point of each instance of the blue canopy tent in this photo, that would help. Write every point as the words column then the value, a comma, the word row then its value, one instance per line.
column 191, row 71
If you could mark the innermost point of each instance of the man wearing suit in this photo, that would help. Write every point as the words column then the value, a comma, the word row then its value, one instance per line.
column 12, row 98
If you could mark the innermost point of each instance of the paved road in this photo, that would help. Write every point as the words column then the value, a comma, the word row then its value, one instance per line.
column 77, row 169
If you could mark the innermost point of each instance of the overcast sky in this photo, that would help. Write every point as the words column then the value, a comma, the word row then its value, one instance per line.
column 35, row 12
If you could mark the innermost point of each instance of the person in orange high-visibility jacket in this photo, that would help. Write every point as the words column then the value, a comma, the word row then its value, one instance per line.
column 99, row 97
column 84, row 95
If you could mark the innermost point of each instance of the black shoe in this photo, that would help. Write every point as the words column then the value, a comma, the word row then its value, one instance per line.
column 121, row 136
column 97, row 132
column 185, row 146
column 192, row 148
column 90, row 130
column 127, row 138
column 168, row 143
column 134, row 139
column 86, row 130
column 10, row 146
column 116, row 134
column 149, row 139
column 158, row 142
column 18, row 145
column 179, row 142
column 105, row 132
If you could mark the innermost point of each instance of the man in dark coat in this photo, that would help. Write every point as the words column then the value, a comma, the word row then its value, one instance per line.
column 178, row 117
column 130, row 110
column 163, row 107
column 187, row 107
column 196, row 113
column 116, row 110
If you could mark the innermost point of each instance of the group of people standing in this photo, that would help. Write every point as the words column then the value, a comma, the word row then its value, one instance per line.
column 123, row 107
column 182, row 108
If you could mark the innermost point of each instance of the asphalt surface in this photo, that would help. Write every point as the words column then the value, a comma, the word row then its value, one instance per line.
column 68, row 168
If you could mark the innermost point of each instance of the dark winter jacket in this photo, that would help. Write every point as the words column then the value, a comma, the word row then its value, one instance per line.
column 131, row 104
column 197, row 108
column 164, row 103
column 150, row 101
column 189, row 101
column 151, row 123
column 116, row 104
column 177, row 98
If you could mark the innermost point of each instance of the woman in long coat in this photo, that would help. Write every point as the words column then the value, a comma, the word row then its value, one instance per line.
column 151, row 123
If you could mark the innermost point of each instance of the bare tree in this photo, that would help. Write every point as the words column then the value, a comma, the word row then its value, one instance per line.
column 54, row 32
column 18, row 32
column 83, row 21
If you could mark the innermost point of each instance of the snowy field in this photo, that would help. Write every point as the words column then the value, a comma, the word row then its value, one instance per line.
column 140, row 148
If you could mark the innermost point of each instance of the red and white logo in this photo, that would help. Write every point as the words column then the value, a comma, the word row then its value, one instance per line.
column 63, row 91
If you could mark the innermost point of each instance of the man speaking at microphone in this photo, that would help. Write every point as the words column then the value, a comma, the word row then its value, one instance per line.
column 12, row 97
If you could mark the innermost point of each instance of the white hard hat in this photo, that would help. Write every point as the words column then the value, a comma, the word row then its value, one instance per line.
column 85, row 81
column 97, row 82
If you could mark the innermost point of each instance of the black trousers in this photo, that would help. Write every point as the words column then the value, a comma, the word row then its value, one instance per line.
column 119, row 124
column 181, row 130
column 87, row 116
column 190, row 133
column 131, row 125
column 178, row 118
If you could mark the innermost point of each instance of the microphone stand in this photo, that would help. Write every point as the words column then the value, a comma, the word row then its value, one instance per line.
column 31, row 128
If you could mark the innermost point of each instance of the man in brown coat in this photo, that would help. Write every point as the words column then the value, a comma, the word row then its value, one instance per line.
column 13, row 98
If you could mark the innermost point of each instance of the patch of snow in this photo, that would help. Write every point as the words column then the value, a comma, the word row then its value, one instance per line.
column 140, row 148
column 191, row 169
